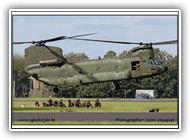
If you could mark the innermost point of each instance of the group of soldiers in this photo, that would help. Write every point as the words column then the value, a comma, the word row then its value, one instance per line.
column 74, row 103
column 50, row 103
column 79, row 104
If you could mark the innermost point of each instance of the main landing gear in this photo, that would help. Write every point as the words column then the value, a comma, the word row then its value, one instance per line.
column 115, row 85
column 55, row 89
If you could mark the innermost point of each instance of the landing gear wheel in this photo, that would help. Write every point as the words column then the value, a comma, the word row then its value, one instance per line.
column 117, row 87
column 114, row 86
column 55, row 90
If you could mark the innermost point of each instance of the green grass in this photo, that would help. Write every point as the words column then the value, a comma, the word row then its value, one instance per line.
column 108, row 105
column 115, row 106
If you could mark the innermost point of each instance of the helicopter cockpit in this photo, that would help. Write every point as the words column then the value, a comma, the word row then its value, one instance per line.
column 156, row 66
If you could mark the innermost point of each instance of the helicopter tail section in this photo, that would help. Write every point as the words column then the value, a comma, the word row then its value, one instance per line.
column 36, row 56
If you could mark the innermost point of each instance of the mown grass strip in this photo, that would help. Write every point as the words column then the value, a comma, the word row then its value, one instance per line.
column 106, row 107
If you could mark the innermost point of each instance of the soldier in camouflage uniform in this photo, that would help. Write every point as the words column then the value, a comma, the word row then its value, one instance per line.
column 97, row 103
column 88, row 104
column 61, row 104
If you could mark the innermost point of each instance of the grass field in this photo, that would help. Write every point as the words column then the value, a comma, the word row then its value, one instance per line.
column 108, row 105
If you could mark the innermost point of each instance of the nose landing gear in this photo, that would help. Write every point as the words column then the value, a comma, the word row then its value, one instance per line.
column 55, row 89
column 115, row 85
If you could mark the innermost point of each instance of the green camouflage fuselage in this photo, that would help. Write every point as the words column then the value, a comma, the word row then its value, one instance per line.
column 50, row 67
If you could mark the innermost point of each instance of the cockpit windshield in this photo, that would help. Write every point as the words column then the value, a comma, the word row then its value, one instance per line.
column 153, row 62
column 159, row 59
column 156, row 61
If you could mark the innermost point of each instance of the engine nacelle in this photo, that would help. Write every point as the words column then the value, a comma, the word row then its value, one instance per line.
column 53, row 62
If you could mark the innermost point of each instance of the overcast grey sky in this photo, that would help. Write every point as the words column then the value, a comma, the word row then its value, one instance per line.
column 118, row 28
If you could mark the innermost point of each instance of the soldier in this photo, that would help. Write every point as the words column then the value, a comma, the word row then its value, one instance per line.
column 78, row 103
column 45, row 104
column 50, row 101
column 36, row 104
column 83, row 104
column 70, row 103
column 55, row 103
column 88, row 104
column 97, row 103
column 61, row 104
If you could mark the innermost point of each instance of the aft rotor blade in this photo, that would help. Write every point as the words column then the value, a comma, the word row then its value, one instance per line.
column 53, row 39
column 107, row 41
column 80, row 35
column 65, row 37
column 22, row 42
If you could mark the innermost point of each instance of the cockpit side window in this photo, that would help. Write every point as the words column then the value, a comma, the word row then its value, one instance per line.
column 151, row 64
column 135, row 65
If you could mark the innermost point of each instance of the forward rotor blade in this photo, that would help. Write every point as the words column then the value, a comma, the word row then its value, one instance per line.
column 107, row 41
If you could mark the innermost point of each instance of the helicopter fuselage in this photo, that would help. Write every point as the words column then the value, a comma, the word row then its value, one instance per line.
column 94, row 71
column 48, row 65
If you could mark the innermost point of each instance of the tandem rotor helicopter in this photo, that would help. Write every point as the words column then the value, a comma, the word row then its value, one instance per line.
column 48, row 65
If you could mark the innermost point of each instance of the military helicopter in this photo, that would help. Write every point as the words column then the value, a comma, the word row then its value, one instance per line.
column 48, row 65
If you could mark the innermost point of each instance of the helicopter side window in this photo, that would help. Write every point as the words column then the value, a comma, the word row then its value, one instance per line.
column 150, row 62
column 135, row 65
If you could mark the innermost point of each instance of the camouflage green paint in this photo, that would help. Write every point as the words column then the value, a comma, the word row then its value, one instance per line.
column 48, row 65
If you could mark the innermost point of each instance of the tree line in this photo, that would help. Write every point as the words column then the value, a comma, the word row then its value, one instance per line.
column 165, row 85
